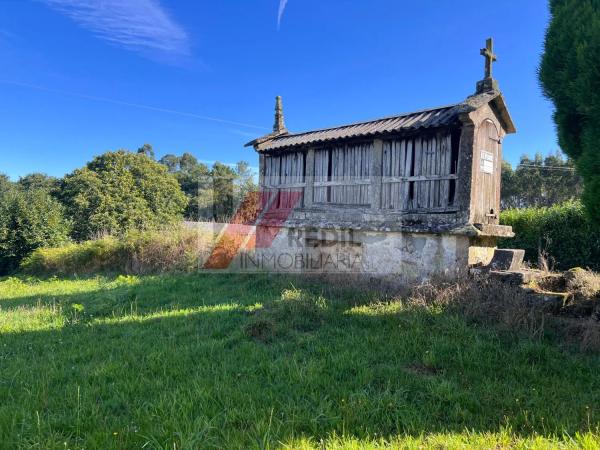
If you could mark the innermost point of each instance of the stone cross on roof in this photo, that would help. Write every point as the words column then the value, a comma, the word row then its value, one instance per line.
column 488, row 84
column 488, row 52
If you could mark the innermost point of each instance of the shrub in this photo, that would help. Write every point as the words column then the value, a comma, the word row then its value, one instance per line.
column 562, row 231
column 28, row 220
column 172, row 249
column 121, row 191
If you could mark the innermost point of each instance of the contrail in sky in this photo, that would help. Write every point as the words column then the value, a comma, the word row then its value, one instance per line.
column 282, row 4
column 133, row 105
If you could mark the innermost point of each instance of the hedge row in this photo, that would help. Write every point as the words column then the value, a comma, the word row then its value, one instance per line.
column 562, row 231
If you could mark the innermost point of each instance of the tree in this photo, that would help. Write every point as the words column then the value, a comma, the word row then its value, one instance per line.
column 188, row 163
column 213, row 193
column 5, row 183
column 509, row 193
column 539, row 182
column 171, row 161
column 29, row 219
column 40, row 181
column 192, row 175
column 194, row 179
column 245, row 182
column 570, row 78
column 223, row 178
column 120, row 191
column 147, row 150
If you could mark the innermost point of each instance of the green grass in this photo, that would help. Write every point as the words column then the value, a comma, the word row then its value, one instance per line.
column 235, row 361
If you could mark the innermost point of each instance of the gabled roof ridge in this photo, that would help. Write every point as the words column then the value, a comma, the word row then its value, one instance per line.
column 273, row 136
column 364, row 122
column 423, row 118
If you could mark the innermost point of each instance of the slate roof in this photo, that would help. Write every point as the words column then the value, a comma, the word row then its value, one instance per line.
column 427, row 118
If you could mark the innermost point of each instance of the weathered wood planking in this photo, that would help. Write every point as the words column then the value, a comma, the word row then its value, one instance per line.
column 321, row 165
column 284, row 175
column 342, row 174
column 417, row 173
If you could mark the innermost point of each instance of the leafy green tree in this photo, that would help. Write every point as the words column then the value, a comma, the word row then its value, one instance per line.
column 539, row 182
column 192, row 175
column 147, row 150
column 508, row 192
column 215, row 193
column 171, row 161
column 29, row 219
column 223, row 178
column 188, row 163
column 120, row 191
column 570, row 78
column 40, row 181
column 5, row 183
column 194, row 179
column 245, row 181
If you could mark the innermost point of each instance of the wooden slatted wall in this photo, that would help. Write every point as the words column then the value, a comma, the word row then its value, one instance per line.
column 342, row 174
column 285, row 176
column 419, row 174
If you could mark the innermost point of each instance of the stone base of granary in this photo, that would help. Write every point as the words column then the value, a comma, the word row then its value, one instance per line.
column 405, row 257
column 481, row 250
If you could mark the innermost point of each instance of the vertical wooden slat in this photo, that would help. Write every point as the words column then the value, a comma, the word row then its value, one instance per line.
column 403, row 200
column 318, row 175
column 432, row 183
column 338, row 171
column 347, row 157
column 386, row 160
column 356, row 175
column 417, row 171
column 402, row 164
column 427, row 171
column 390, row 186
column 375, row 172
column 335, row 161
column 424, row 185
column 428, row 184
column 397, row 168
column 318, row 170
column 436, row 164
column 445, row 170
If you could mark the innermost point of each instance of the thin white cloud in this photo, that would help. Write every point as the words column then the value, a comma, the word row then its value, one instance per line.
column 282, row 5
column 142, row 26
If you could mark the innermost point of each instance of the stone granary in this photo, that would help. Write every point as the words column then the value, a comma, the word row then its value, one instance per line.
column 411, row 195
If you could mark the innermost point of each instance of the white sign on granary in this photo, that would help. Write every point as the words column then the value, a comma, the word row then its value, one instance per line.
column 487, row 162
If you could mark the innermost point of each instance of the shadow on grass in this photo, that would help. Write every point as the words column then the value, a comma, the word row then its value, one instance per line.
column 178, row 359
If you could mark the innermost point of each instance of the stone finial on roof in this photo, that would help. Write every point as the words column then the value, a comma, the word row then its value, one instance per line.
column 488, row 83
column 279, row 125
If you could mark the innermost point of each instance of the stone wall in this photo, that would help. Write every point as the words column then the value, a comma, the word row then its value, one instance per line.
column 404, row 257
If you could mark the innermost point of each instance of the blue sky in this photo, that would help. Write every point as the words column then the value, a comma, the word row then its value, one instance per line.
column 80, row 77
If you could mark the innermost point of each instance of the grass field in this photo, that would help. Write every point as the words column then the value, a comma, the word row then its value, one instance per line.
column 232, row 361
